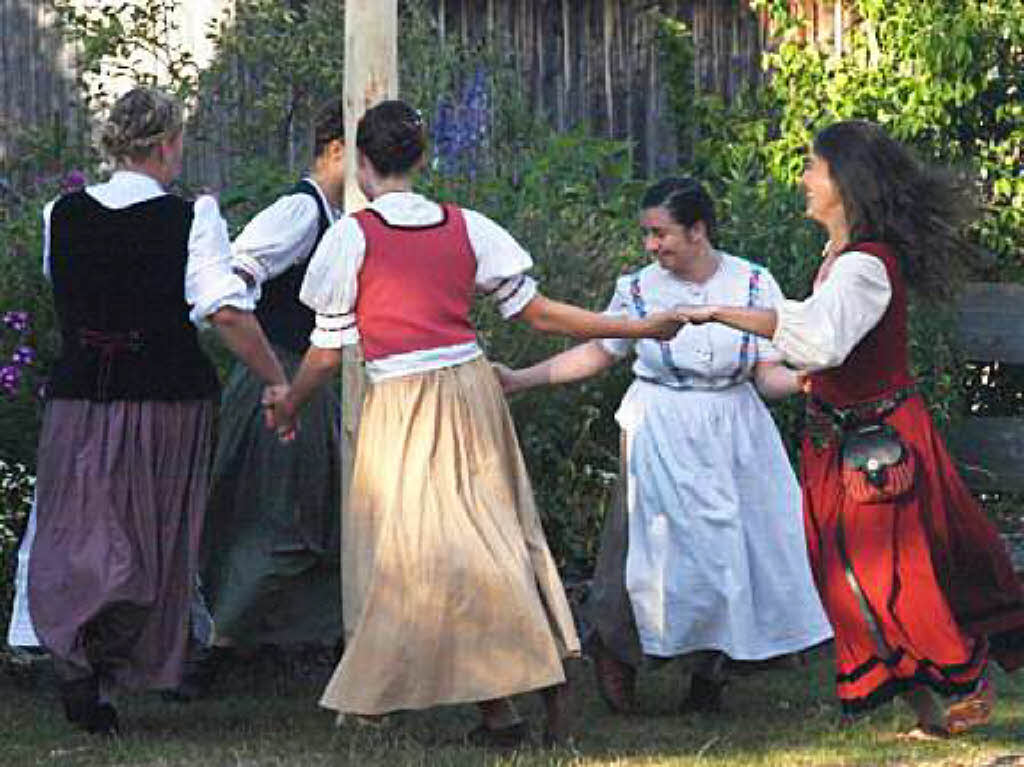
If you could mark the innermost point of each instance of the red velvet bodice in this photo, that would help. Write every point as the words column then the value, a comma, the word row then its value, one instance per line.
column 878, row 364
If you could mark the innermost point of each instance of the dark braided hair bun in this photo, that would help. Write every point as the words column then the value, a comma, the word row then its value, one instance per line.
column 392, row 136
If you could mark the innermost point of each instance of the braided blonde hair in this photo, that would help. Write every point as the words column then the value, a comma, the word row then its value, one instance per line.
column 140, row 120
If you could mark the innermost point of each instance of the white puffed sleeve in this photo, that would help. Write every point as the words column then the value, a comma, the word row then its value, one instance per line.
column 210, row 282
column 820, row 332
column 502, row 264
column 277, row 237
column 331, row 284
column 47, row 213
column 768, row 297
column 618, row 306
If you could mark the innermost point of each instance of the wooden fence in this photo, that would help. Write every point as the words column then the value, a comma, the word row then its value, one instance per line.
column 592, row 62
column 991, row 449
column 37, row 79
column 596, row 62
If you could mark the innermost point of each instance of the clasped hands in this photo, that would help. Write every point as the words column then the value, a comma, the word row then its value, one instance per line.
column 278, row 412
column 666, row 324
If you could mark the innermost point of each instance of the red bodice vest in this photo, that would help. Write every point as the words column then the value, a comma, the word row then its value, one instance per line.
column 416, row 285
column 878, row 364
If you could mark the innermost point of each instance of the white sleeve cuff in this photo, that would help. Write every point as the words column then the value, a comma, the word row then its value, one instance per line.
column 218, row 292
column 334, row 331
column 251, row 266
column 514, row 294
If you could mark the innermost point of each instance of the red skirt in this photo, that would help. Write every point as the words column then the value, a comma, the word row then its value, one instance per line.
column 938, row 590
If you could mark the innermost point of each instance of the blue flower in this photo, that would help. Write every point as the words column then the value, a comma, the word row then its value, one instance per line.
column 23, row 355
column 460, row 128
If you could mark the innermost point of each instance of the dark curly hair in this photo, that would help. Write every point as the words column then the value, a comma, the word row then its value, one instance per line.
column 328, row 125
column 685, row 199
column 889, row 196
column 392, row 136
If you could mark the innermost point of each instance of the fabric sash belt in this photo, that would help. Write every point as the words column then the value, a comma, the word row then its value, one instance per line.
column 826, row 421
column 110, row 344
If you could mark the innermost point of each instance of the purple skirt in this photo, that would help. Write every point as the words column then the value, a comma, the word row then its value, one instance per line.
column 120, row 493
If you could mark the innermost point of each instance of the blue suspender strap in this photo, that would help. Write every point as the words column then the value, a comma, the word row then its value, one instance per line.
column 753, row 289
column 638, row 300
column 666, row 350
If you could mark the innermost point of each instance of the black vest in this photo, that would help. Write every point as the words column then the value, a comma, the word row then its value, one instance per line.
column 286, row 321
column 119, row 290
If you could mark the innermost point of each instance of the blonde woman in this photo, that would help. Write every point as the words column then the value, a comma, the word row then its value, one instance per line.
column 126, row 437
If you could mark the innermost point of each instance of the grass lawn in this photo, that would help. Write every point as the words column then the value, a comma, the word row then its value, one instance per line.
column 779, row 718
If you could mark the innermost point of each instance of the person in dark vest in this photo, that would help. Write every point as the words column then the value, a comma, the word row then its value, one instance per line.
column 918, row 586
column 127, row 433
column 450, row 594
column 271, row 544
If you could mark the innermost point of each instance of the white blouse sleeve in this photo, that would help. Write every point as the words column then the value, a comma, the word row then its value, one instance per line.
column 277, row 237
column 502, row 264
column 47, row 213
column 769, row 297
column 331, row 283
column 820, row 332
column 210, row 282
column 619, row 307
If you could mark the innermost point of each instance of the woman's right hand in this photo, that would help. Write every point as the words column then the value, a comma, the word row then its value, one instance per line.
column 278, row 414
column 664, row 325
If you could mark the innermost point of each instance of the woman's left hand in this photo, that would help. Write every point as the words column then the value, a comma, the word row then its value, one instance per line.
column 506, row 376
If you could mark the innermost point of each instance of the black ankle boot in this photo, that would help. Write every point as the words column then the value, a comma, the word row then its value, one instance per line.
column 82, row 707
column 705, row 695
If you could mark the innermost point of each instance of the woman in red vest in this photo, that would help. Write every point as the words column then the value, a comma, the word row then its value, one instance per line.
column 450, row 594
column 914, row 578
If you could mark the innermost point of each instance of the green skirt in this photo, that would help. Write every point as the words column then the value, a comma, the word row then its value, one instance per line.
column 271, row 543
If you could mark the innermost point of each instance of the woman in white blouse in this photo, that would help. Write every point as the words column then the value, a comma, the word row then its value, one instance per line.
column 704, row 557
column 271, row 540
column 915, row 580
column 125, row 444
column 450, row 594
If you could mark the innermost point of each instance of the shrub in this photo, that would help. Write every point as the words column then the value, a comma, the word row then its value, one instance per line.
column 16, row 483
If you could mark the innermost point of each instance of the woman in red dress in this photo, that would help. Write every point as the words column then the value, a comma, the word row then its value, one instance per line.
column 916, row 581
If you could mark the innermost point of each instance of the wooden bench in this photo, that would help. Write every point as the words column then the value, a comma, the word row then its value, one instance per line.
column 990, row 450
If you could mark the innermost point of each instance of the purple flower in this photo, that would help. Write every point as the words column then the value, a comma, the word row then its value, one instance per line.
column 73, row 181
column 23, row 355
column 10, row 377
column 16, row 321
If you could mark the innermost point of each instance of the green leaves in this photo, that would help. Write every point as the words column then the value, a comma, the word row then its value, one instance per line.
column 130, row 39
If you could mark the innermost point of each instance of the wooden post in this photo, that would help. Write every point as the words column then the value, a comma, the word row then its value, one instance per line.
column 371, row 76
column 609, row 97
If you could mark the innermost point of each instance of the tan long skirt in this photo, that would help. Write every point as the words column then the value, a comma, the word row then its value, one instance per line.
column 450, row 593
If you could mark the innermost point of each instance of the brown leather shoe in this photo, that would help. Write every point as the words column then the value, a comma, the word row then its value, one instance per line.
column 616, row 681
column 500, row 738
